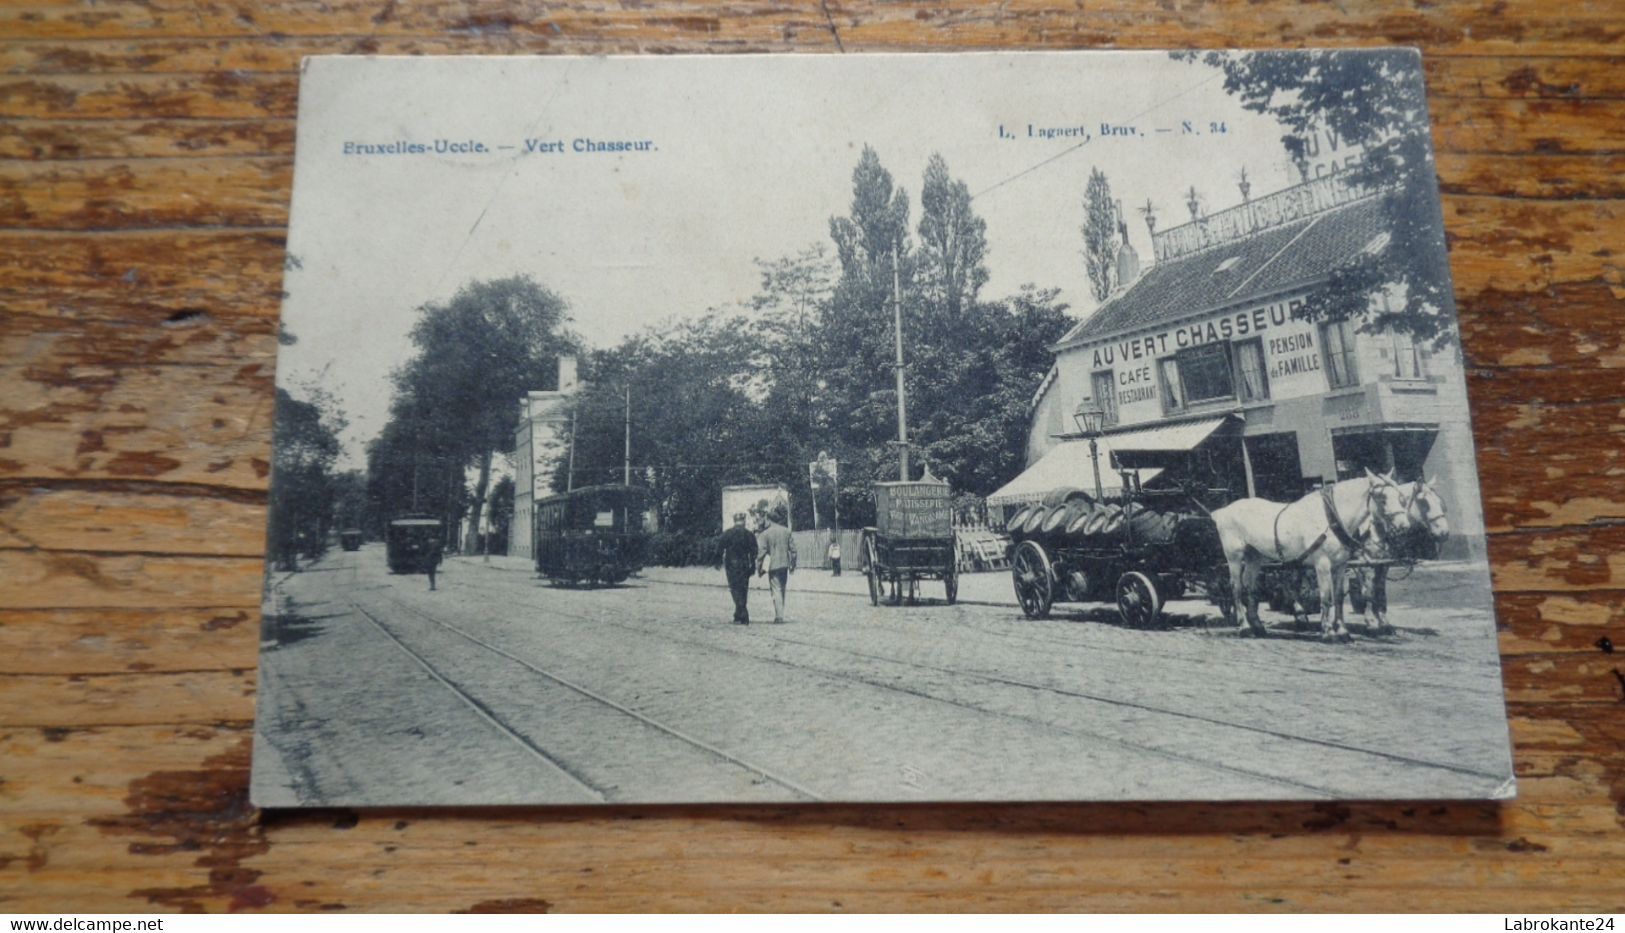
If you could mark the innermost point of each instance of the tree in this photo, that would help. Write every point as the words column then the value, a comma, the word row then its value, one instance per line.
column 305, row 449
column 953, row 241
column 478, row 354
column 1374, row 100
column 1099, row 235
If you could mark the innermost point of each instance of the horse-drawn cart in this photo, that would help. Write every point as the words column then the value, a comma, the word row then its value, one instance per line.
column 1138, row 552
column 912, row 540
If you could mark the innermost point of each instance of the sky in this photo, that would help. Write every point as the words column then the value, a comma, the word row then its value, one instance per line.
column 749, row 157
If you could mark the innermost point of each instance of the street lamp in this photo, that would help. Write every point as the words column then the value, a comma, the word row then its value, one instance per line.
column 1091, row 417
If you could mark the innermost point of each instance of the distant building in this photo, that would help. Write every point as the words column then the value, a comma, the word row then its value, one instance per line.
column 543, row 424
column 1202, row 352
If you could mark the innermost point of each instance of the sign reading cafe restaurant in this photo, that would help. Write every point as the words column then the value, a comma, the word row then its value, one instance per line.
column 1205, row 354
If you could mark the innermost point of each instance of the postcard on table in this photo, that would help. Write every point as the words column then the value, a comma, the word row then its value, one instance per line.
column 1007, row 426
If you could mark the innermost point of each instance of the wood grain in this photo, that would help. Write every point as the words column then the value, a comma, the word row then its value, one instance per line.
column 145, row 159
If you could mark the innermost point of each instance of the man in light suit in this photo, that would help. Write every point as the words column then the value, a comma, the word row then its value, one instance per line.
column 778, row 558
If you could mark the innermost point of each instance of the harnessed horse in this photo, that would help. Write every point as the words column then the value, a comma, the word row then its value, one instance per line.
column 1323, row 529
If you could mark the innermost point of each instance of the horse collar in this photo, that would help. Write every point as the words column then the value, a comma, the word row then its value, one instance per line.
column 1335, row 522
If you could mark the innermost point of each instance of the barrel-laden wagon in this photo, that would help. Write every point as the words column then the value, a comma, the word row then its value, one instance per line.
column 912, row 540
column 1138, row 550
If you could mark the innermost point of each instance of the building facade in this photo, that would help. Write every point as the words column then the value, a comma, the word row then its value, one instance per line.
column 542, row 429
column 1204, row 350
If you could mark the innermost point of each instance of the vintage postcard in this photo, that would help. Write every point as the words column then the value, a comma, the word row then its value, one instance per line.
column 1006, row 426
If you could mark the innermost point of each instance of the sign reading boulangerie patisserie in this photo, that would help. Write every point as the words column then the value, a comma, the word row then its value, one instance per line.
column 1006, row 426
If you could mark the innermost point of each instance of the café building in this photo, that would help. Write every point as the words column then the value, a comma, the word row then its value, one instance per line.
column 1201, row 363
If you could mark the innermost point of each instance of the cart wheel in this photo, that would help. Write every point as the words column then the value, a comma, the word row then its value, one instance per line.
column 871, row 569
column 950, row 582
column 1138, row 599
column 1034, row 580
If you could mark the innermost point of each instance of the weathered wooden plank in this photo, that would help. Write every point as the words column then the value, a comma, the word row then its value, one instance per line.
column 149, row 276
column 715, row 26
column 143, row 521
column 1518, row 27
column 57, row 344
column 66, row 580
column 102, row 195
column 143, row 139
column 1532, row 175
column 109, row 641
column 122, row 423
column 1448, row 75
column 150, row 698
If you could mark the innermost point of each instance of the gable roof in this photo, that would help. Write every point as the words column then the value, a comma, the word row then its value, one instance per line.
column 1238, row 271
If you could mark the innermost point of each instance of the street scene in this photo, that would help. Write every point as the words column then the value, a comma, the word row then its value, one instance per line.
column 1120, row 457
column 499, row 687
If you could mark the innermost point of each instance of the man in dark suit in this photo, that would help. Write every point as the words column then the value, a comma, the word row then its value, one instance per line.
column 738, row 560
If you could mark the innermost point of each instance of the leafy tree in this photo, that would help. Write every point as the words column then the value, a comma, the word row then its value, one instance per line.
column 953, row 241
column 1099, row 234
column 477, row 355
column 302, row 459
column 1374, row 100
column 696, row 419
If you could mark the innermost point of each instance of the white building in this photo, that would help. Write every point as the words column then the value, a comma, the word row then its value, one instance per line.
column 1202, row 352
column 544, row 423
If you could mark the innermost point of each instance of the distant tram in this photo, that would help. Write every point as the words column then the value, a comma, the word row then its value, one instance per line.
column 593, row 535
column 350, row 539
column 412, row 544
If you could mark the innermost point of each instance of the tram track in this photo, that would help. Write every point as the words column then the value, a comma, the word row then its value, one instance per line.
column 592, row 695
column 1164, row 653
column 588, row 791
column 1407, row 761
column 1133, row 747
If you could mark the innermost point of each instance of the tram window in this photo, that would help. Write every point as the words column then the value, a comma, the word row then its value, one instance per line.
column 1337, row 342
column 1252, row 383
column 1205, row 373
column 1105, row 392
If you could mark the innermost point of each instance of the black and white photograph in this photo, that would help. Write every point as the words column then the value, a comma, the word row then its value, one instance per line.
column 876, row 428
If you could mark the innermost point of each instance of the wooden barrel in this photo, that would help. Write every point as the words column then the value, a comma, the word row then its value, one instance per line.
column 1013, row 526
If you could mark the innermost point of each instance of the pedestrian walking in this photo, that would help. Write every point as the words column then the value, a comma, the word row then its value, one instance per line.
column 835, row 553
column 433, row 558
column 778, row 558
column 738, row 557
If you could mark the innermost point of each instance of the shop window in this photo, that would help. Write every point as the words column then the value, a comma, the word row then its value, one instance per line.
column 1337, row 343
column 1105, row 394
column 1252, row 381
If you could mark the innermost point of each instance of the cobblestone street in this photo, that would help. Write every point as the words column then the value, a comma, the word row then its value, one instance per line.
column 500, row 687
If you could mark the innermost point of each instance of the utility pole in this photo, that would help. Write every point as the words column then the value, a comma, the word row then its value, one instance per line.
column 902, row 399
column 626, row 461
column 570, row 471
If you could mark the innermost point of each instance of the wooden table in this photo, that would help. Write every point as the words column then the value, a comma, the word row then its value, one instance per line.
column 147, row 152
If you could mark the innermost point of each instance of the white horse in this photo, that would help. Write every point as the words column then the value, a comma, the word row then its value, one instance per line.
column 1424, row 511
column 1323, row 529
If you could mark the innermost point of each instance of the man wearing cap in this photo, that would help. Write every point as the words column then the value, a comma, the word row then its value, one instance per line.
column 738, row 558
